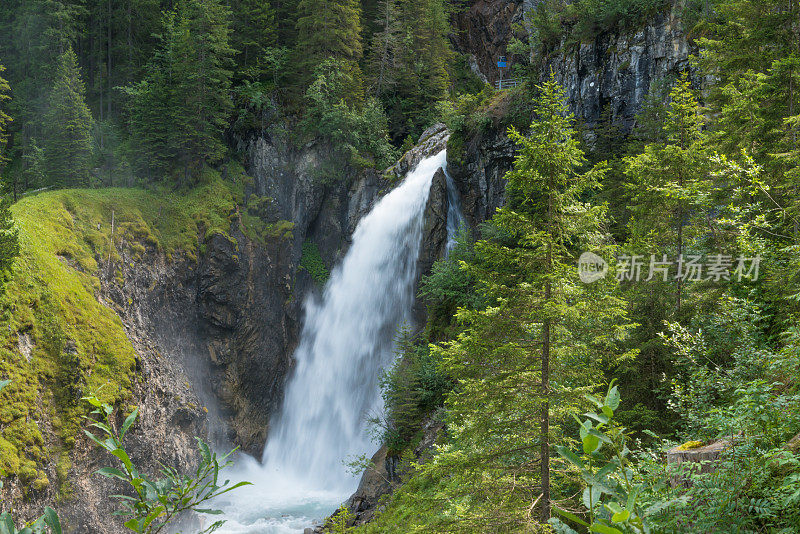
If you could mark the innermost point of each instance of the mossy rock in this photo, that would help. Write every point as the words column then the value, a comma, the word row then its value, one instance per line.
column 74, row 344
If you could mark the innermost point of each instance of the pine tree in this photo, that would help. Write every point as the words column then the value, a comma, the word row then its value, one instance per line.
column 328, row 29
column 671, row 185
column 420, row 60
column 253, row 34
column 384, row 48
column 180, row 110
column 203, row 74
column 541, row 326
column 68, row 149
column 8, row 184
column 9, row 238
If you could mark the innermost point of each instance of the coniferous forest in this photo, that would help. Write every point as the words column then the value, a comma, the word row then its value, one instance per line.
column 586, row 320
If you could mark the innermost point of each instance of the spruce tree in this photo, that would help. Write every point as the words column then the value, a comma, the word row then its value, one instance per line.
column 68, row 149
column 328, row 29
column 671, row 186
column 385, row 48
column 179, row 111
column 541, row 326
column 9, row 238
column 203, row 70
column 5, row 119
column 253, row 33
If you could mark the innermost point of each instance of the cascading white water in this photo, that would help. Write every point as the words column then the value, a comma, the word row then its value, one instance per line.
column 346, row 340
column 455, row 216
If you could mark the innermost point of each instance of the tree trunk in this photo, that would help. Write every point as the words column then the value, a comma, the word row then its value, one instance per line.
column 545, row 413
column 109, row 60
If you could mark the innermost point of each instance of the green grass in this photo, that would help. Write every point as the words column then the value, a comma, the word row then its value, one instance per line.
column 78, row 344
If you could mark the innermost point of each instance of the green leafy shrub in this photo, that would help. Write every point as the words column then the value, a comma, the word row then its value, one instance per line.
column 337, row 110
column 157, row 502
column 412, row 389
column 448, row 287
column 611, row 494
column 311, row 262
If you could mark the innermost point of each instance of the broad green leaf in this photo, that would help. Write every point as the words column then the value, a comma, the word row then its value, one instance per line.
column 123, row 457
column 4, row 383
column 570, row 456
column 111, row 472
column 128, row 422
column 620, row 517
column 595, row 496
column 599, row 435
column 613, row 398
column 6, row 524
column 600, row 418
column 570, row 516
column 590, row 443
column 52, row 521
column 603, row 529
column 134, row 525
column 594, row 400
column 94, row 401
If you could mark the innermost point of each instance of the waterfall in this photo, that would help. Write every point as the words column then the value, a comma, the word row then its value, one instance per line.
column 455, row 216
column 346, row 340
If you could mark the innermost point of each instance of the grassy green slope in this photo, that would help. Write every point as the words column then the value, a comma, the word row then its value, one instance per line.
column 57, row 340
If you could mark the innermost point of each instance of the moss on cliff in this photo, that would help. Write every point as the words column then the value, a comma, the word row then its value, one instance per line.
column 58, row 341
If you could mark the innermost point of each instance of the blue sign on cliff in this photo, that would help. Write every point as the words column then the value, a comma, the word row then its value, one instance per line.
column 501, row 63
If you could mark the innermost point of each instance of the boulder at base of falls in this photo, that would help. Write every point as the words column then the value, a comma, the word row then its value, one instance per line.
column 385, row 476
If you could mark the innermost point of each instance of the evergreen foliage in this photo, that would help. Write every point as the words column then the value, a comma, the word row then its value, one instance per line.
column 179, row 112
column 68, row 147
column 328, row 29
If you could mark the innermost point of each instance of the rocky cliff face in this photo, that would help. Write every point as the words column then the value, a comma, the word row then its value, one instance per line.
column 615, row 72
column 618, row 70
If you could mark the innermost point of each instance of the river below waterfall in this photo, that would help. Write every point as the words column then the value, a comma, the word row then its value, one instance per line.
column 347, row 339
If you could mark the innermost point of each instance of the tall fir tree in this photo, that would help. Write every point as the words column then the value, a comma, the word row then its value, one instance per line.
column 5, row 119
column 385, row 46
column 327, row 29
column 179, row 111
column 541, row 338
column 419, row 60
column 68, row 148
column 9, row 239
column 253, row 34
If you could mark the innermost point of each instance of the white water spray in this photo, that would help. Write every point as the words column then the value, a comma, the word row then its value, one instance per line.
column 346, row 340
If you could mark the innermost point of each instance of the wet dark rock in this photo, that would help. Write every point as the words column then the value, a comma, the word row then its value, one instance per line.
column 479, row 176
column 386, row 474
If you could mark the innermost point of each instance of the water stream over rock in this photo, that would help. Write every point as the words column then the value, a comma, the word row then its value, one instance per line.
column 347, row 338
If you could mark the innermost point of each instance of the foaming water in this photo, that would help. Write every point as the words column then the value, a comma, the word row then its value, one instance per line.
column 346, row 340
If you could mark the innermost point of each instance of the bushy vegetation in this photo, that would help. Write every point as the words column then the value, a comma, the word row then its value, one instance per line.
column 156, row 503
column 584, row 20
column 312, row 263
